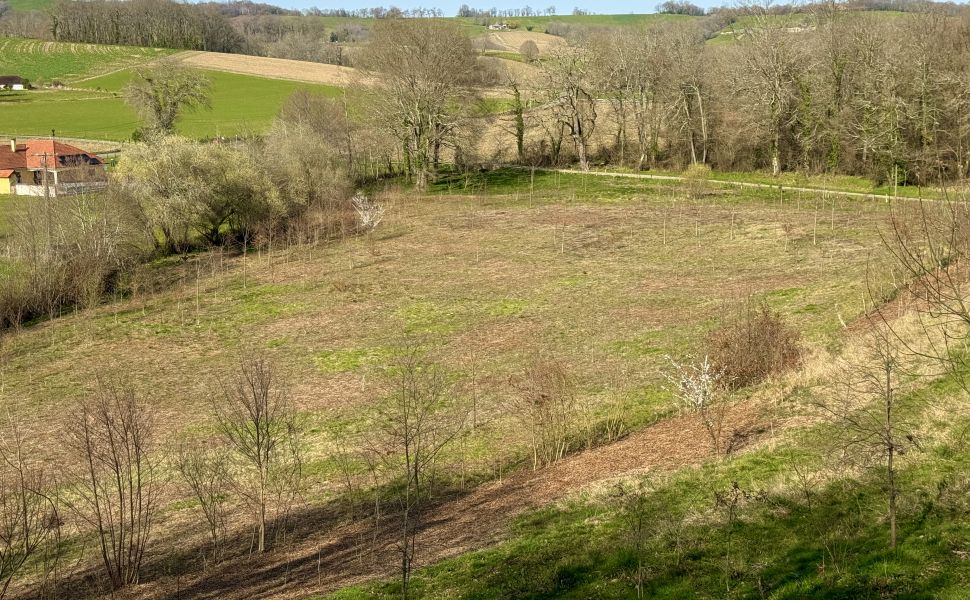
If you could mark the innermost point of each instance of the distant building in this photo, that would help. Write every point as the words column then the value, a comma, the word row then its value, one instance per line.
column 69, row 169
column 498, row 26
column 12, row 82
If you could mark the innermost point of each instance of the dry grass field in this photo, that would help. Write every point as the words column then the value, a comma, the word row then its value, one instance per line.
column 609, row 280
column 607, row 275
column 271, row 68
column 511, row 41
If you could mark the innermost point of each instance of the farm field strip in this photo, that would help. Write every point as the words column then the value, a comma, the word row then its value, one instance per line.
column 272, row 68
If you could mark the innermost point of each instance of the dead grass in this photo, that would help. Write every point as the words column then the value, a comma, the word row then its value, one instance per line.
column 608, row 284
column 273, row 68
column 511, row 41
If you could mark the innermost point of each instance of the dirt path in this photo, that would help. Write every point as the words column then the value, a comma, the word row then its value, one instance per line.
column 335, row 558
column 741, row 184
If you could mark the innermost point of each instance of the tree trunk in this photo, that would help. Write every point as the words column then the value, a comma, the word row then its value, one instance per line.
column 775, row 156
column 703, row 116
column 892, row 497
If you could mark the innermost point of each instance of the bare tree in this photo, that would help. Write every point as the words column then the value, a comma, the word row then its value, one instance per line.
column 872, row 412
column 162, row 92
column 568, row 82
column 256, row 420
column 204, row 469
column 424, row 69
column 416, row 422
column 929, row 243
column 771, row 66
column 545, row 404
column 518, row 118
column 113, row 433
column 28, row 514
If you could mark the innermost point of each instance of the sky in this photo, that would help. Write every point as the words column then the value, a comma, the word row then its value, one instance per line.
column 450, row 7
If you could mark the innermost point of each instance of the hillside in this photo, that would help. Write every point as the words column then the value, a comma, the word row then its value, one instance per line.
column 639, row 313
column 581, row 266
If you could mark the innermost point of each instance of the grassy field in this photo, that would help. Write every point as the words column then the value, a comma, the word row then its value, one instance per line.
column 844, row 183
column 583, row 269
column 29, row 4
column 41, row 61
column 608, row 275
column 240, row 104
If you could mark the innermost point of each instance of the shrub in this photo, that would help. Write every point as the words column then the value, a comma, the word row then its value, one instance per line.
column 753, row 346
column 545, row 404
column 72, row 261
column 696, row 180
column 529, row 50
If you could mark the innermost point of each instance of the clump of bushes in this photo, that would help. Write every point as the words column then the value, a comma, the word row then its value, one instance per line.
column 70, row 253
column 753, row 346
column 696, row 178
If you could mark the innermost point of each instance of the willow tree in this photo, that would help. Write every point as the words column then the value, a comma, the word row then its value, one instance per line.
column 420, row 73
column 160, row 93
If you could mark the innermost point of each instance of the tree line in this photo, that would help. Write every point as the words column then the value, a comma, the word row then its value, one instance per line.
column 834, row 92
column 151, row 23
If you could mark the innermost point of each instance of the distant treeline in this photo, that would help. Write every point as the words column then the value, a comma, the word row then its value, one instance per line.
column 526, row 11
column 909, row 6
column 152, row 23
column 241, row 8
column 378, row 12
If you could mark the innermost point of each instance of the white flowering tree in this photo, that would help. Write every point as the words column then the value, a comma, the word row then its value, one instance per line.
column 700, row 388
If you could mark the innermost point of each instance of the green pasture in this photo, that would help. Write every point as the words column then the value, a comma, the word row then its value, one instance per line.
column 240, row 104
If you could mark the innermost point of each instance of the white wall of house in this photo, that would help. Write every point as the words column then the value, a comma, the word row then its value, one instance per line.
column 61, row 189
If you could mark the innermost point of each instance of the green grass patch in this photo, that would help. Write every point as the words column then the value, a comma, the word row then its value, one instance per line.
column 342, row 361
column 29, row 4
column 241, row 104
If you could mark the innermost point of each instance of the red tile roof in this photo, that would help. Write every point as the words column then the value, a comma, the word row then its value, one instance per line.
column 5, row 173
column 30, row 155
